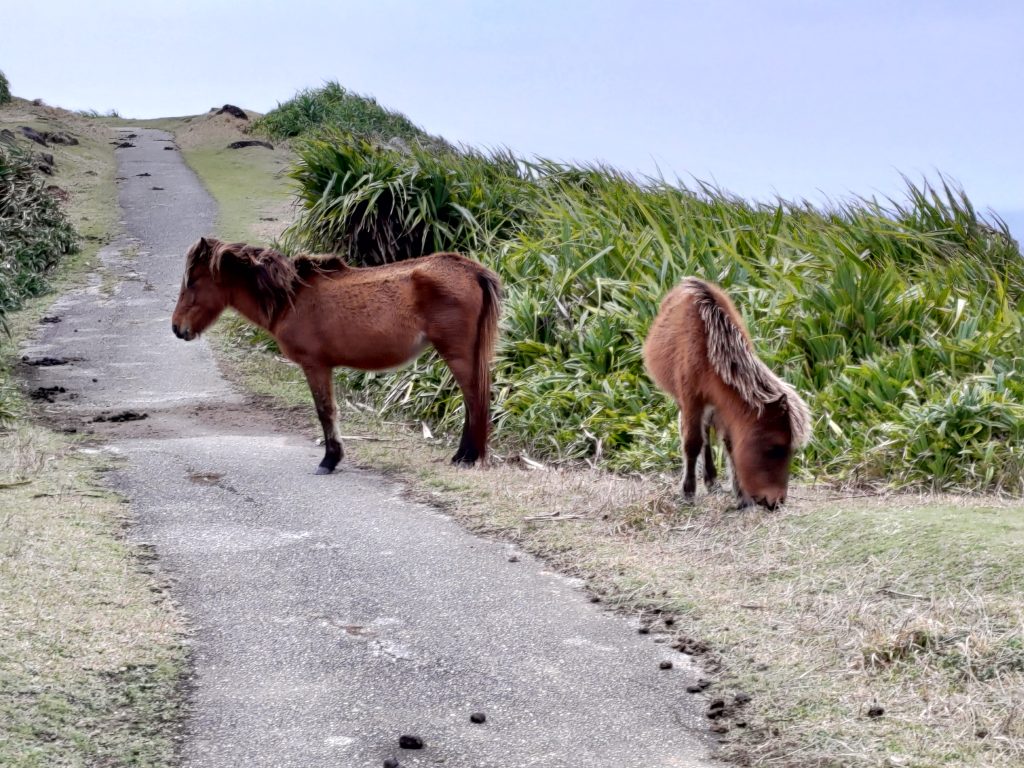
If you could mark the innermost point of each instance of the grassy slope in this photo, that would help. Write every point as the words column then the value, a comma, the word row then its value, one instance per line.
column 237, row 179
column 900, row 323
column 819, row 612
column 90, row 658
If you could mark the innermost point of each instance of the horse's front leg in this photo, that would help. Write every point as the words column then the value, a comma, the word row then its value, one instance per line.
column 742, row 499
column 691, row 433
column 710, row 472
column 321, row 384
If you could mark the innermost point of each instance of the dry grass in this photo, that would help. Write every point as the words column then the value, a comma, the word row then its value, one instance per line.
column 90, row 658
column 89, row 647
column 820, row 612
column 842, row 602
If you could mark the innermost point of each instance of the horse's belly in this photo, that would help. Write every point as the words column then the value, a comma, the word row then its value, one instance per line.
column 384, row 354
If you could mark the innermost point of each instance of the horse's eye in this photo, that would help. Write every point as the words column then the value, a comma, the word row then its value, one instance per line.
column 775, row 452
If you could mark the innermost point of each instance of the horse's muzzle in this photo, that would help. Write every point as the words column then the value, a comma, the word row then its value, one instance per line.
column 182, row 333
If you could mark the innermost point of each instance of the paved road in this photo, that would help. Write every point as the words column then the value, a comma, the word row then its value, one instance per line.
column 332, row 615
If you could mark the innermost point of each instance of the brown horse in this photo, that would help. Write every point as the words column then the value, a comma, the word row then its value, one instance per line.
column 324, row 313
column 699, row 351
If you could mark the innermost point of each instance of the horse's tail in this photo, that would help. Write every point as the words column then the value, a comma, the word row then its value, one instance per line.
column 486, row 340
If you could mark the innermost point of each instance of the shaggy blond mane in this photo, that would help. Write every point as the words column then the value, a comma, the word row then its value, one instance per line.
column 733, row 358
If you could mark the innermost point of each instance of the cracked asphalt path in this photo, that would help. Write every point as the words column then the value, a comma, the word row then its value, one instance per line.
column 332, row 615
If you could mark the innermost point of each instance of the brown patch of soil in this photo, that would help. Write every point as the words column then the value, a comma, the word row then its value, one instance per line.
column 212, row 130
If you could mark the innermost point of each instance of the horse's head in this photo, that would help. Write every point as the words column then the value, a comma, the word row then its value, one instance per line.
column 761, row 455
column 202, row 298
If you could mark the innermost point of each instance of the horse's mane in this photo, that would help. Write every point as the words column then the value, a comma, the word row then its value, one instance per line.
column 276, row 277
column 732, row 355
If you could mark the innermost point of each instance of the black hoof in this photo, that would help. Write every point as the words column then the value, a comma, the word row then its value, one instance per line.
column 325, row 469
column 687, row 500
column 466, row 458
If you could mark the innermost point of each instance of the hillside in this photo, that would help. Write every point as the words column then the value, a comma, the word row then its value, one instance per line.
column 899, row 319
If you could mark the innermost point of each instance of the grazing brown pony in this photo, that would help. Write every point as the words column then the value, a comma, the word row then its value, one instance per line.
column 699, row 351
column 324, row 313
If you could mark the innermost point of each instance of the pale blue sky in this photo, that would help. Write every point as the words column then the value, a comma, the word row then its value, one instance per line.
column 794, row 97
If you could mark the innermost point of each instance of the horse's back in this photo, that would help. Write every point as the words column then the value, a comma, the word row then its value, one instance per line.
column 451, row 273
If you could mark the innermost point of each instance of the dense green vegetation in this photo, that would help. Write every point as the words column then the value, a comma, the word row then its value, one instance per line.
column 34, row 232
column 314, row 109
column 899, row 319
column 5, row 89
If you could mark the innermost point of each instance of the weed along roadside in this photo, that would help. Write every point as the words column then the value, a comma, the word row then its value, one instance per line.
column 90, row 647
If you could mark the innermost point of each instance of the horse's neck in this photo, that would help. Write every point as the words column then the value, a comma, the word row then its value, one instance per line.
column 243, row 301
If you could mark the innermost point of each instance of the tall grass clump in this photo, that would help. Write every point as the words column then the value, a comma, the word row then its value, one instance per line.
column 333, row 106
column 900, row 320
column 34, row 232
column 5, row 89
column 380, row 204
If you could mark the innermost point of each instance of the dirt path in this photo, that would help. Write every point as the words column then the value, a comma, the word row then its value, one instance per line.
column 331, row 615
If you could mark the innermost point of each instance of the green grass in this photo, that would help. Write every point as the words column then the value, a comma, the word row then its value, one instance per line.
column 247, row 187
column 357, row 200
column 34, row 232
column 980, row 546
column 332, row 105
column 899, row 320
column 90, row 652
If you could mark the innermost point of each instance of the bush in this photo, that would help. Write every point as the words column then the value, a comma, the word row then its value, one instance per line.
column 34, row 232
column 377, row 204
column 335, row 107
column 5, row 89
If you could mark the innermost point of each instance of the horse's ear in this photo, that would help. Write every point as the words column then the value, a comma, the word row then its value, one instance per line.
column 200, row 249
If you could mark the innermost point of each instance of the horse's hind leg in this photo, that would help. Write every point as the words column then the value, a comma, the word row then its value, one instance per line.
column 466, row 452
column 472, row 444
column 321, row 384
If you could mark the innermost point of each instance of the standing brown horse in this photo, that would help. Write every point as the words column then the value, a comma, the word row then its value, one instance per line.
column 699, row 351
column 324, row 313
